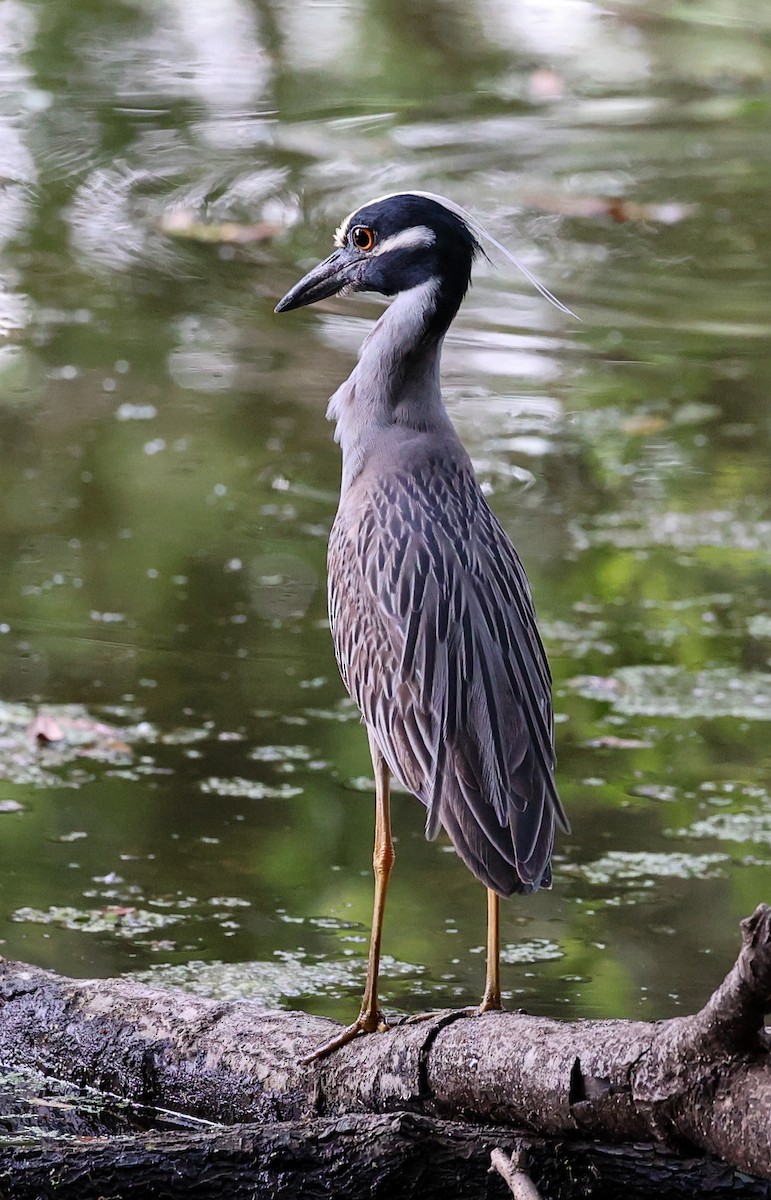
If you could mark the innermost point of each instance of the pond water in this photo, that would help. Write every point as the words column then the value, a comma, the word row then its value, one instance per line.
column 168, row 482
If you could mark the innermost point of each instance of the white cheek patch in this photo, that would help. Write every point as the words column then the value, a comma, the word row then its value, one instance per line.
column 406, row 239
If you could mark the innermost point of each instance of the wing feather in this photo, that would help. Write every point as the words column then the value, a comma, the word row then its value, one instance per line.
column 435, row 635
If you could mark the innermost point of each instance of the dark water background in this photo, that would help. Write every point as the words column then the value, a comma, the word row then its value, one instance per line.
column 168, row 481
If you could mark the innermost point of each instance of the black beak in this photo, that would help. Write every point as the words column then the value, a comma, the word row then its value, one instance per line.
column 327, row 279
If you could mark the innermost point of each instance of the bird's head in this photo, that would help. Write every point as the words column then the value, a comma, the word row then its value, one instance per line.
column 391, row 245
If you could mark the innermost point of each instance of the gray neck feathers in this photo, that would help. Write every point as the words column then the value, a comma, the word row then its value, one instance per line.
column 395, row 382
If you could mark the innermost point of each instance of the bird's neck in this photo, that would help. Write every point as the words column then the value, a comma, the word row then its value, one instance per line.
column 396, row 380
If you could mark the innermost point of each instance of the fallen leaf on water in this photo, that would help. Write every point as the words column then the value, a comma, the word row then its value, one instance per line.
column 45, row 729
column 640, row 424
column 90, row 736
column 182, row 223
column 615, row 208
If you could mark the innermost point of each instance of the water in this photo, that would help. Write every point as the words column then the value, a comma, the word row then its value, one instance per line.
column 169, row 481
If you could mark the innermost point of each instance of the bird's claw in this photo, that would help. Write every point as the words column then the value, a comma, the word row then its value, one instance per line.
column 437, row 1013
column 372, row 1022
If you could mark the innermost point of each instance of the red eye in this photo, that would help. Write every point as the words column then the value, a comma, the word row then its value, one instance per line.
column 362, row 237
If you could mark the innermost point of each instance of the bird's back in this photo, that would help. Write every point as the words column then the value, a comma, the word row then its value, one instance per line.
column 436, row 640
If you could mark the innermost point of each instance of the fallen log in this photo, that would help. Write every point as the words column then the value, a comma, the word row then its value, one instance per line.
column 360, row 1157
column 696, row 1084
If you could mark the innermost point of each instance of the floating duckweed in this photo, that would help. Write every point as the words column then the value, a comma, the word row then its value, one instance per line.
column 123, row 922
column 36, row 746
column 728, row 791
column 331, row 923
column 344, row 711
column 249, row 789
column 11, row 806
column 661, row 691
column 680, row 530
column 622, row 866
column 187, row 737
column 271, row 983
column 536, row 950
column 280, row 754
column 564, row 637
column 663, row 792
column 759, row 626
column 749, row 826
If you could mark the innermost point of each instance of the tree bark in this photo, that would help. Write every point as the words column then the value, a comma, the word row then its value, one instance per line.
column 696, row 1084
column 361, row 1157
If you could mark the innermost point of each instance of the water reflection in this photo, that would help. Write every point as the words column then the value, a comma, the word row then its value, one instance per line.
column 168, row 481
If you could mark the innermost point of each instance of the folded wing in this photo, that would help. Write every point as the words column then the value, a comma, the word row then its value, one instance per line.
column 436, row 640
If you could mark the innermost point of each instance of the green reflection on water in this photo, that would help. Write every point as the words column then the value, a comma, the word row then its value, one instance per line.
column 168, row 482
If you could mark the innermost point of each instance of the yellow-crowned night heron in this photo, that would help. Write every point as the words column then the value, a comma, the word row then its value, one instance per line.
column 431, row 612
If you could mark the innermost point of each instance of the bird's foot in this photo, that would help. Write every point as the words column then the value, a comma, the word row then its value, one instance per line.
column 375, row 1022
column 490, row 1002
column 435, row 1013
column 366, row 1022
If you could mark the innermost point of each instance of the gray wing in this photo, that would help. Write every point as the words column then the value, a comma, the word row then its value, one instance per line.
column 436, row 640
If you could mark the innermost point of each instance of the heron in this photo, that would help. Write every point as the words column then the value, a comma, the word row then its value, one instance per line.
column 430, row 608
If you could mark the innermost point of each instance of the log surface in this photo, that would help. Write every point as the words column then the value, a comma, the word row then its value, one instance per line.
column 695, row 1084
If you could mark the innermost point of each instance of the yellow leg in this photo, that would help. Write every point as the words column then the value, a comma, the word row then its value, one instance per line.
column 491, row 1001
column 370, row 1017
column 383, row 859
